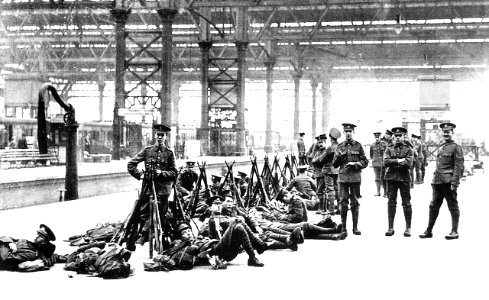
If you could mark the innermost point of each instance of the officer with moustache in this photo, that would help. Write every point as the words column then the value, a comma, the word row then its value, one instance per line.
column 161, row 158
column 350, row 158
column 446, row 179
column 398, row 159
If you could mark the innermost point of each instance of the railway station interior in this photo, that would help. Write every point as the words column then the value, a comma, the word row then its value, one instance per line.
column 83, row 83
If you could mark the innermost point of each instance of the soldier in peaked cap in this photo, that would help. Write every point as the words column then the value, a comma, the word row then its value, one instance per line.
column 159, row 161
column 318, row 163
column 446, row 179
column 301, row 147
column 398, row 159
column 350, row 158
column 27, row 256
column 377, row 150
column 187, row 179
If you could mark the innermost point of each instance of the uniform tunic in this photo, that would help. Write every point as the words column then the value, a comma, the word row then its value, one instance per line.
column 186, row 181
column 304, row 184
column 164, row 164
column 449, row 164
column 350, row 151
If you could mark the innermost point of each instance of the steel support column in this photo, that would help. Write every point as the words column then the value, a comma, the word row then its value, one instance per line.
column 314, row 87
column 101, row 88
column 240, row 101
column 175, row 97
column 268, row 133
column 167, row 15
column 297, row 83
column 205, row 46
column 326, row 93
column 120, row 16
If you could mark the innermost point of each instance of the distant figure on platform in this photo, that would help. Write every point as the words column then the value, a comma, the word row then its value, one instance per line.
column 318, row 163
column 419, row 147
column 22, row 143
column 162, row 159
column 301, row 147
column 88, row 144
column 13, row 143
column 377, row 150
column 26, row 256
column 398, row 160
column 350, row 158
column 446, row 179
column 387, row 139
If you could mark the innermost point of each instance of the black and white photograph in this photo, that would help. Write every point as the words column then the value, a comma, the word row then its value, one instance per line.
column 244, row 149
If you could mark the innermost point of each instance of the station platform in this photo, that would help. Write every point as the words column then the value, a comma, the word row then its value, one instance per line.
column 369, row 266
column 41, row 185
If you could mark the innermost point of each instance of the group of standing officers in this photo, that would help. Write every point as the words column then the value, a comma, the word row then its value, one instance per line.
column 398, row 163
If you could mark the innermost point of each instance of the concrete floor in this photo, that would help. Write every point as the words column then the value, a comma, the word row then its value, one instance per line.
column 370, row 266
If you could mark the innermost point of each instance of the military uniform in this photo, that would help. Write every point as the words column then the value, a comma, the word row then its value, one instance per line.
column 387, row 139
column 350, row 158
column 303, row 184
column 187, row 179
column 301, row 147
column 29, row 256
column 312, row 151
column 377, row 150
column 330, row 172
column 398, row 158
column 420, row 161
column 318, row 163
column 162, row 159
column 446, row 179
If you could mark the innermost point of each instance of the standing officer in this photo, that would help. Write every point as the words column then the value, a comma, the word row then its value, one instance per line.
column 162, row 159
column 377, row 150
column 398, row 160
column 446, row 179
column 187, row 179
column 330, row 172
column 301, row 147
column 317, row 163
column 351, row 159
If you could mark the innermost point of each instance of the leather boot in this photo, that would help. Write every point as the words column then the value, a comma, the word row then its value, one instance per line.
column 354, row 215
column 276, row 245
column 377, row 184
column 391, row 214
column 454, row 233
column 321, row 204
column 254, row 262
column 431, row 223
column 344, row 215
column 408, row 214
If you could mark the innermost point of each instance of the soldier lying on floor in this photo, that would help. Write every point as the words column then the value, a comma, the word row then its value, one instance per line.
column 106, row 260
column 324, row 230
column 229, row 212
column 26, row 256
